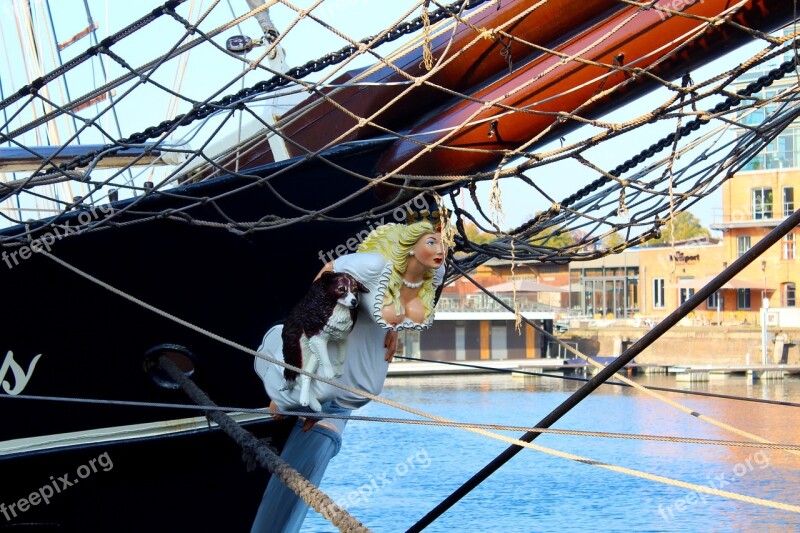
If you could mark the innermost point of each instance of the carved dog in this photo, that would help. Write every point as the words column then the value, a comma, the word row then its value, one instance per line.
column 326, row 313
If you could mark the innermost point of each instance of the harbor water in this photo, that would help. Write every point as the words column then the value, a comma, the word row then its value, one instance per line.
column 390, row 475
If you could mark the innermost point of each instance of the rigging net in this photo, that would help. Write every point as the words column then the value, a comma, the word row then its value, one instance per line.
column 693, row 135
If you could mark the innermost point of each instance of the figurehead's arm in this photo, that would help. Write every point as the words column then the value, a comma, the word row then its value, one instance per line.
column 327, row 268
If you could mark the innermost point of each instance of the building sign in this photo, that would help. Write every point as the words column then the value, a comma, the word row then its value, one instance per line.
column 680, row 257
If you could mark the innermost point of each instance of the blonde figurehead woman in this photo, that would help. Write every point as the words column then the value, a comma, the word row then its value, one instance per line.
column 402, row 265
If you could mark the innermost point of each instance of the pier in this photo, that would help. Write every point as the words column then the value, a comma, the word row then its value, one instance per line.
column 701, row 374
column 407, row 368
column 425, row 368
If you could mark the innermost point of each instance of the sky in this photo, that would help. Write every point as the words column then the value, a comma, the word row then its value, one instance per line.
column 211, row 73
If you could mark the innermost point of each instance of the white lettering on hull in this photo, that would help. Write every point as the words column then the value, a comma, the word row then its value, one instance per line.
column 21, row 377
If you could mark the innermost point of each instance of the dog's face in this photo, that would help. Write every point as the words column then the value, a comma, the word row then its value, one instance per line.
column 343, row 287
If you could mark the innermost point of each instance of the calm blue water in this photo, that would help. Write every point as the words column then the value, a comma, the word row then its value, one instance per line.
column 390, row 475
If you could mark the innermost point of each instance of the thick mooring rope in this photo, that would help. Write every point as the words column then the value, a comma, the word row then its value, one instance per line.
column 266, row 457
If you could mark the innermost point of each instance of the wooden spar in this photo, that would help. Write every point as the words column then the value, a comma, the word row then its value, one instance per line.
column 93, row 101
column 78, row 36
column 315, row 123
column 650, row 39
column 32, row 158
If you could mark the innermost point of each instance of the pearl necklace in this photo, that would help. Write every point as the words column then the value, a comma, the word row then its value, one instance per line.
column 410, row 285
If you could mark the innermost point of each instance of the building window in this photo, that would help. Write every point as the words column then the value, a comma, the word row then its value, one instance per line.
column 778, row 153
column 742, row 244
column 714, row 301
column 789, row 242
column 658, row 293
column 787, row 294
column 742, row 298
column 762, row 202
column 786, row 149
column 788, row 201
column 686, row 294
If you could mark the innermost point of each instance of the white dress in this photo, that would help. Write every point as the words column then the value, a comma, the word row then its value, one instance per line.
column 365, row 366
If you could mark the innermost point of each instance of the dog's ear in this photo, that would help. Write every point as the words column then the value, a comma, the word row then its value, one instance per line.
column 361, row 287
column 326, row 276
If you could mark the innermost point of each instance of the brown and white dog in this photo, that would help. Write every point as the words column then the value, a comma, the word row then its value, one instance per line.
column 326, row 313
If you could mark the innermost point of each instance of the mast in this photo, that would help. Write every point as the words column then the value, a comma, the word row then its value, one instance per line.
column 61, row 62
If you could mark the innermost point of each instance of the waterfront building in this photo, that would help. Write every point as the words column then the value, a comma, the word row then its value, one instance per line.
column 470, row 325
column 756, row 200
column 647, row 283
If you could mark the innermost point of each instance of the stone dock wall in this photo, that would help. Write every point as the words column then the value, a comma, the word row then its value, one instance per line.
column 691, row 345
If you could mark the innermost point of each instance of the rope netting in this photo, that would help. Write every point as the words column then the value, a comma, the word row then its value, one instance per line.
column 630, row 169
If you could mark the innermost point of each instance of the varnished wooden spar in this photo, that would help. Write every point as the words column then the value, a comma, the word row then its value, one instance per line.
column 32, row 158
column 651, row 39
column 315, row 123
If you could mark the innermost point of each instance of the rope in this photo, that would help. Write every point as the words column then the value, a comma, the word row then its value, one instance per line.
column 588, row 199
column 255, row 450
column 427, row 55
column 413, row 422
column 517, row 444
column 582, row 198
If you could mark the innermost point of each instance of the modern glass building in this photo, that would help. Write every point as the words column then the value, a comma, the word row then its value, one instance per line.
column 605, row 288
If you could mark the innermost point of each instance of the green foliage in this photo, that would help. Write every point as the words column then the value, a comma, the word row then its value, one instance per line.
column 613, row 240
column 549, row 238
column 477, row 236
column 557, row 238
column 686, row 226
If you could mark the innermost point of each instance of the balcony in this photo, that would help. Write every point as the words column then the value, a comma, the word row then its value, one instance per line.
column 480, row 307
column 480, row 303
column 741, row 219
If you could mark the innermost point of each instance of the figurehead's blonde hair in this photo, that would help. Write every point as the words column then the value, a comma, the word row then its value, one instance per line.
column 394, row 242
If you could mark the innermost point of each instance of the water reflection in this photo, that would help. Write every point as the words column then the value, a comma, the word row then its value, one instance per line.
column 541, row 493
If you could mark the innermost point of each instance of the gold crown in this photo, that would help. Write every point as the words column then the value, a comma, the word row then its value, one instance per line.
column 434, row 217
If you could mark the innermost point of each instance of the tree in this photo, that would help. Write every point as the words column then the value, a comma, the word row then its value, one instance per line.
column 475, row 235
column 554, row 237
column 613, row 240
column 684, row 226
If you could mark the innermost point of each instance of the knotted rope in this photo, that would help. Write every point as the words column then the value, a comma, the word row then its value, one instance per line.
column 257, row 451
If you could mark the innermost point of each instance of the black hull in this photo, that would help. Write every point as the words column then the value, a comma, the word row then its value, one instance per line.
column 93, row 342
column 193, row 481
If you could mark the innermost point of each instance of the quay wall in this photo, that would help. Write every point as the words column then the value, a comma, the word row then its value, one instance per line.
column 708, row 345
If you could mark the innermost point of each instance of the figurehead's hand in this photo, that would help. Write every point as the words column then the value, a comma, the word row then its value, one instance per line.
column 274, row 407
column 309, row 423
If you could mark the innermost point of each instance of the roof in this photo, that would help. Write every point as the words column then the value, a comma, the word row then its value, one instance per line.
column 524, row 285
column 735, row 283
